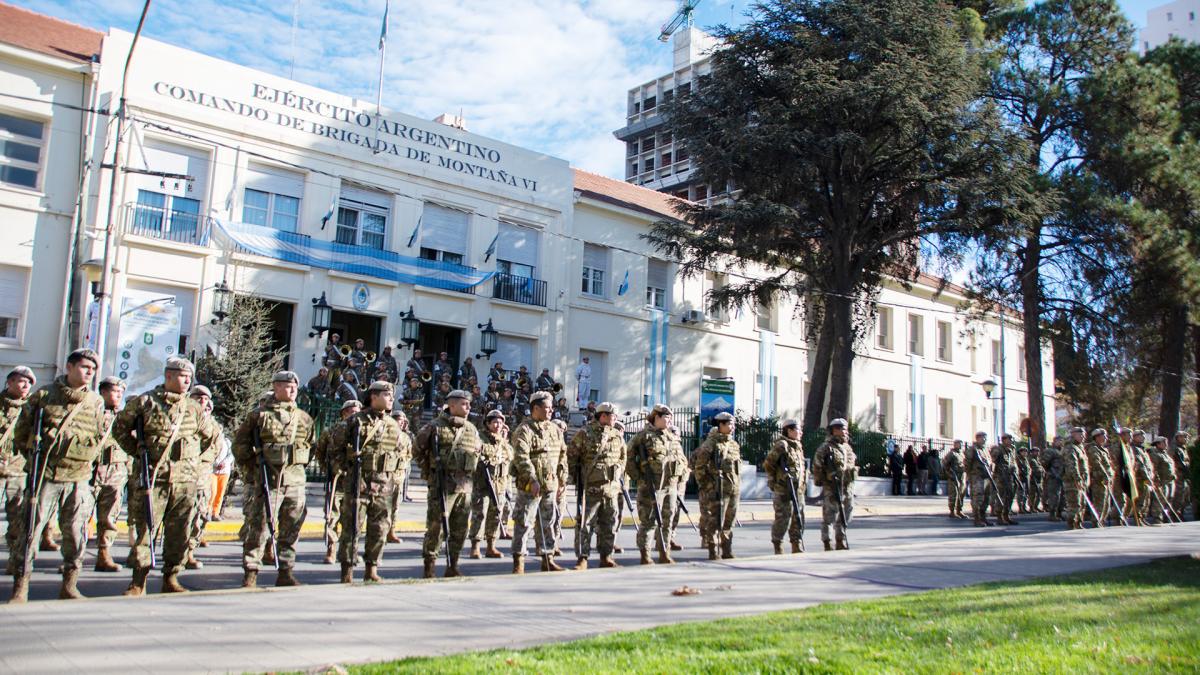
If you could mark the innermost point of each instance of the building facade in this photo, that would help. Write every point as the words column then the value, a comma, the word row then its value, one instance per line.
column 1171, row 20
column 235, row 177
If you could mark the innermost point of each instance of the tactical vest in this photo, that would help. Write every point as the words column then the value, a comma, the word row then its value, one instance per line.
column 458, row 446
column 72, row 425
column 12, row 463
column 378, row 435
column 544, row 447
column 283, row 432
column 662, row 451
column 601, row 455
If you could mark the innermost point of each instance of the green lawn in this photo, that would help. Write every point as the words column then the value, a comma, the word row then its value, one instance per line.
column 1142, row 618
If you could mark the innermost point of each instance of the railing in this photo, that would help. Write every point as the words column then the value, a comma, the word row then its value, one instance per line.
column 524, row 290
column 167, row 224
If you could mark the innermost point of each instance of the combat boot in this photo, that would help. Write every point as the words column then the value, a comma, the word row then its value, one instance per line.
column 581, row 564
column 170, row 584
column 452, row 570
column 138, row 585
column 518, row 564
column 429, row 572
column 607, row 561
column 646, row 558
column 392, row 537
column 192, row 563
column 69, row 590
column 664, row 558
column 797, row 547
column 828, row 546
column 330, row 553
column 778, row 547
column 842, row 545
column 11, row 568
column 347, row 573
column 712, row 552
column 980, row 522
column 286, row 577
column 476, row 554
column 20, row 593
column 104, row 561
column 727, row 551
column 492, row 551
column 269, row 555
column 675, row 547
column 250, row 579
column 548, row 564
column 48, row 543
column 1008, row 520
column 372, row 573
column 618, row 549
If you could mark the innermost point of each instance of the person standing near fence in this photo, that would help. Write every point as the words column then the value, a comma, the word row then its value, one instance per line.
column 656, row 461
column 910, row 467
column 716, row 464
column 955, row 472
column 787, row 478
column 923, row 470
column 834, row 470
column 896, row 468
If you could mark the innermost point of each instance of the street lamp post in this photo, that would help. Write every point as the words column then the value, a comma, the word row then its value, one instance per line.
column 989, row 386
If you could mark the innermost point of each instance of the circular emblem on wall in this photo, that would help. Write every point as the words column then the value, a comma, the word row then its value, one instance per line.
column 362, row 297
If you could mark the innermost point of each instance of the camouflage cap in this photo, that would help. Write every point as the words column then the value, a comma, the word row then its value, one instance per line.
column 660, row 409
column 1005, row 435
column 1098, row 432
column 200, row 390
column 285, row 376
column 839, row 422
column 1078, row 430
column 112, row 381
column 459, row 393
column 351, row 404
column 25, row 372
column 1160, row 439
column 180, row 363
column 1183, row 433
column 1125, row 431
column 493, row 415
column 722, row 417
column 790, row 422
column 606, row 407
column 539, row 397
column 381, row 385
column 85, row 353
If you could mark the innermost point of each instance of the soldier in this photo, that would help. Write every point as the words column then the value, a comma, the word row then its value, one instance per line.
column 1004, row 462
column 545, row 382
column 19, row 382
column 1121, row 460
column 561, row 504
column 447, row 450
column 596, row 461
column 404, row 450
column 978, row 463
column 1183, row 470
column 955, row 473
column 110, row 476
column 331, row 438
column 716, row 464
column 173, row 432
column 540, row 468
column 1100, row 475
column 368, row 457
column 1051, row 461
column 388, row 363
column 1021, row 477
column 65, row 421
column 348, row 389
column 834, row 470
column 334, row 360
column 787, row 478
column 680, row 493
column 277, row 438
column 1075, row 478
column 655, row 459
column 491, row 485
column 1036, row 477
column 1164, row 477
column 1143, row 476
column 202, row 395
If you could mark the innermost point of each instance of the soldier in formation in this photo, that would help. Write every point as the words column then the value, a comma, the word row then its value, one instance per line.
column 1183, row 470
column 202, row 514
column 1164, row 475
column 656, row 461
column 1075, row 478
column 1037, row 477
column 490, row 490
column 335, row 479
column 1143, row 477
column 404, row 450
column 1004, row 475
column 835, row 471
column 17, row 386
column 1100, row 475
column 540, row 469
column 447, row 450
column 955, row 472
column 788, row 478
column 596, row 461
column 110, row 476
column 717, row 463
column 978, row 465
column 1051, row 462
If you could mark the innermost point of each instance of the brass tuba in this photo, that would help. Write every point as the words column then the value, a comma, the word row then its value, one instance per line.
column 556, row 387
column 426, row 376
column 521, row 382
column 345, row 351
column 371, row 356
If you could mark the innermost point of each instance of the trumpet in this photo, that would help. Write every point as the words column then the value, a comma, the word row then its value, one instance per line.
column 556, row 387
column 371, row 356
column 345, row 351
column 521, row 382
column 426, row 376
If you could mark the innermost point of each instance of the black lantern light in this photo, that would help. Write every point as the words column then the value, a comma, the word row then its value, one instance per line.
column 989, row 386
column 222, row 301
column 321, row 316
column 487, row 340
column 410, row 328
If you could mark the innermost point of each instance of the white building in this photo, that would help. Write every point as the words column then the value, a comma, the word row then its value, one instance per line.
column 1171, row 20
column 228, row 174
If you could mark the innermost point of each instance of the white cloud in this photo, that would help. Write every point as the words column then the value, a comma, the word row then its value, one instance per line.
column 550, row 75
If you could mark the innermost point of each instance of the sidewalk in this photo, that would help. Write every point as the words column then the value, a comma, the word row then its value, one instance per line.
column 311, row 626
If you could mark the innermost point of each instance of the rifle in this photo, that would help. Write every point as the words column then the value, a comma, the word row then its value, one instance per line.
column 1168, row 512
column 37, row 476
column 837, row 494
column 355, row 491
column 491, row 486
column 797, row 506
column 580, row 506
column 682, row 507
column 658, row 519
column 987, row 471
column 440, row 477
column 264, row 470
column 1091, row 508
column 146, row 480
column 1112, row 499
column 328, row 504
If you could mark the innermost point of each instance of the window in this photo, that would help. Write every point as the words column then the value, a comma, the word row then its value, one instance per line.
column 168, row 207
column 595, row 266
column 945, row 418
column 648, row 144
column 162, row 213
column 21, row 142
column 973, row 348
column 765, row 316
column 666, row 159
column 516, row 250
column 650, row 103
column 715, row 282
column 362, row 218
column 1191, row 16
column 632, row 148
column 883, row 328
column 996, row 357
column 1021, row 372
column 701, row 193
column 658, row 279
column 444, row 233
column 514, row 352
column 883, row 410
column 13, row 282
column 944, row 341
column 916, row 334
column 272, row 198
column 633, row 168
column 765, row 407
column 1170, row 16
column 649, row 164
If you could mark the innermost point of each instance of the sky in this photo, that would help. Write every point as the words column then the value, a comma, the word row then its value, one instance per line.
column 548, row 75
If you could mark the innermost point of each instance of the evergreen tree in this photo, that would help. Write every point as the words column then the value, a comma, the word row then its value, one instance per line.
column 238, row 367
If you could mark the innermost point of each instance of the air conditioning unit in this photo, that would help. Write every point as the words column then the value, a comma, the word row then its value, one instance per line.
column 693, row 316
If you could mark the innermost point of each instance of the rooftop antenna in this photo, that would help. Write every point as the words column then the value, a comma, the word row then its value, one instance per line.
column 682, row 17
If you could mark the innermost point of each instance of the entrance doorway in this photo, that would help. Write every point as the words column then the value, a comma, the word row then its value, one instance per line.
column 279, row 315
column 354, row 326
column 433, row 340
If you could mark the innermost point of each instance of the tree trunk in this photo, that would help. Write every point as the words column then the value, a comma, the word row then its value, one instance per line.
column 840, row 310
column 1031, row 306
column 819, row 377
column 1174, row 336
column 1196, row 366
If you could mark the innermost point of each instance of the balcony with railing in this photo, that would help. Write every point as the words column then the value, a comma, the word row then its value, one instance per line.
column 514, row 288
column 182, row 227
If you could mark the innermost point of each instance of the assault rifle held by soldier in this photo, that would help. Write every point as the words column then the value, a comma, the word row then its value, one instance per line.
column 146, row 484
column 440, row 478
column 264, row 470
column 37, row 475
column 797, row 505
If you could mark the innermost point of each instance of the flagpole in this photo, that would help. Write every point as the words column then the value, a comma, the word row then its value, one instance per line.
column 379, row 88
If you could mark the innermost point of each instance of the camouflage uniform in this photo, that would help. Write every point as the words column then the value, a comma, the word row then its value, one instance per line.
column 1036, row 477
column 1021, row 478
column 111, row 477
column 1121, row 463
column 177, row 433
column 282, row 434
column 454, row 456
column 12, row 475
column 655, row 459
column 1144, row 478
column 595, row 461
column 495, row 457
column 834, row 469
column 1164, row 477
column 1075, row 480
column 405, row 450
column 1100, row 480
column 1183, row 470
column 716, row 464
column 786, row 476
column 1051, row 461
column 72, row 427
column 331, row 438
column 1004, row 461
column 376, row 435
column 978, row 465
column 954, row 471
column 538, row 455
column 204, row 488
